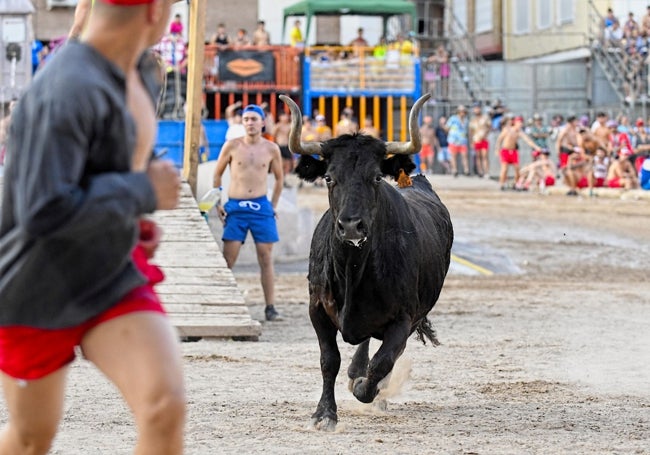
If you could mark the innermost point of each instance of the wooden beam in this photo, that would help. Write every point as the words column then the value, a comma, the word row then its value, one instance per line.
column 194, row 92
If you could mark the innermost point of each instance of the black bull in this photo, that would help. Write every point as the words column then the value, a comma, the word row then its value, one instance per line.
column 378, row 259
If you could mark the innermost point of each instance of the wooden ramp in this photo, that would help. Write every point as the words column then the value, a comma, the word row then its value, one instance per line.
column 199, row 292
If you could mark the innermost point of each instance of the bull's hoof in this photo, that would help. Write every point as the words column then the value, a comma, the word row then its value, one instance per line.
column 323, row 424
column 362, row 391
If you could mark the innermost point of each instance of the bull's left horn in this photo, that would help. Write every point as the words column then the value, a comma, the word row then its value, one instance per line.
column 301, row 148
column 413, row 146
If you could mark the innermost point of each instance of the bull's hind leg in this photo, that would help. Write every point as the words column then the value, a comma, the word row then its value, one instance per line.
column 325, row 417
column 382, row 363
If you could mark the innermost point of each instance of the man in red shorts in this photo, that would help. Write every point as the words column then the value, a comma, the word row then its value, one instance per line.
column 77, row 184
column 506, row 148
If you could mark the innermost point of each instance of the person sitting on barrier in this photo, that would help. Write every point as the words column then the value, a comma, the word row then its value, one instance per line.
column 369, row 128
column 347, row 124
column 644, row 174
column 538, row 174
column 622, row 173
column 281, row 131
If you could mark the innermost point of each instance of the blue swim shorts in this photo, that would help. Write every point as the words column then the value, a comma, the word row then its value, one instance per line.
column 255, row 215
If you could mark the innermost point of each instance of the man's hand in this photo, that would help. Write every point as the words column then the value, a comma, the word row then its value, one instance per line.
column 166, row 183
column 222, row 213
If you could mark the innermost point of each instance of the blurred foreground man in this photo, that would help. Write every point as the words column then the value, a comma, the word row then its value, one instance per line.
column 78, row 180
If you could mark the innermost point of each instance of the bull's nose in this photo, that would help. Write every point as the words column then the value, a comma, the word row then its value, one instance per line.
column 351, row 228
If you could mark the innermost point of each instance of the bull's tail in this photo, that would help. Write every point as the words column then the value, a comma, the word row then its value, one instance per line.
column 425, row 331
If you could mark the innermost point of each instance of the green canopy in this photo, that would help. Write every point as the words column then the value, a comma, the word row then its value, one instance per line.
column 383, row 8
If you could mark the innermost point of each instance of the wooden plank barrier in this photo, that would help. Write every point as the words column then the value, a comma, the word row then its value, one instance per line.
column 200, row 292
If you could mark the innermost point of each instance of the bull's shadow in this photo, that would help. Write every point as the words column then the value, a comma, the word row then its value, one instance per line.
column 378, row 257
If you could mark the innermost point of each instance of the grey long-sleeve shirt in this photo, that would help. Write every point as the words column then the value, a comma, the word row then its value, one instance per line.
column 70, row 202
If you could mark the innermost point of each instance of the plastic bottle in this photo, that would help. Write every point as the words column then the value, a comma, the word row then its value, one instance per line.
column 210, row 199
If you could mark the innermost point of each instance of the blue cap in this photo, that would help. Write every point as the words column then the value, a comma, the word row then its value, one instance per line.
column 254, row 108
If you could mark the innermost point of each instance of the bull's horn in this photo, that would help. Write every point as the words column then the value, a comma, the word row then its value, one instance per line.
column 302, row 148
column 412, row 147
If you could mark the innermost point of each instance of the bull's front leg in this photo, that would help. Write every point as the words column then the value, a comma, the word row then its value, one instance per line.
column 382, row 363
column 325, row 417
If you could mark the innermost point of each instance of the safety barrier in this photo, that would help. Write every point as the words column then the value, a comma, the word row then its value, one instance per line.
column 171, row 135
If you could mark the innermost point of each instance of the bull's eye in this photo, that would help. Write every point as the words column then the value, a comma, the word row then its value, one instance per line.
column 328, row 179
column 379, row 178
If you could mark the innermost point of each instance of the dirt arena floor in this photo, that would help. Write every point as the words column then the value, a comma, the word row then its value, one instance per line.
column 548, row 355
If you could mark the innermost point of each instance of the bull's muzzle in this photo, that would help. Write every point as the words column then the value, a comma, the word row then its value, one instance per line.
column 352, row 230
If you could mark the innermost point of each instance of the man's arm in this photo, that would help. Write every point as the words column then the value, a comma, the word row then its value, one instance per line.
column 81, row 14
column 276, row 169
column 230, row 111
column 560, row 138
column 222, row 163
column 528, row 140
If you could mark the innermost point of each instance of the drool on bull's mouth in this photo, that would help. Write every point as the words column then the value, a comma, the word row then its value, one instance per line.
column 356, row 242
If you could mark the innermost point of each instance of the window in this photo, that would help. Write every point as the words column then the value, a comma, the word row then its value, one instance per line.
column 483, row 13
column 544, row 13
column 521, row 17
column 565, row 11
column 460, row 11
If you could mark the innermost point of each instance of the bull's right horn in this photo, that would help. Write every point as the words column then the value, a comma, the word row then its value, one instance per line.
column 415, row 144
column 295, row 145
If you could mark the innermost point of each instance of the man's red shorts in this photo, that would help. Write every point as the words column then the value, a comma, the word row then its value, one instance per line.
column 31, row 353
column 614, row 183
column 509, row 156
column 482, row 145
column 583, row 182
column 455, row 149
column 549, row 180
column 426, row 151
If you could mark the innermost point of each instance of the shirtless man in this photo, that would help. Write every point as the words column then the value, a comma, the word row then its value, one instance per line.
column 369, row 129
column 248, row 208
column 621, row 172
column 506, row 148
column 70, row 273
column 601, row 131
column 428, row 135
column 568, row 140
column 346, row 125
column 281, row 136
column 479, row 128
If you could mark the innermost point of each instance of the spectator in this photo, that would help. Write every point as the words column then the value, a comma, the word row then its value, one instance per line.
column 506, row 148
column 599, row 169
column 295, row 35
column 220, row 38
column 347, row 124
column 576, row 172
column 241, row 39
column 479, row 128
column 538, row 132
column 614, row 36
column 235, row 126
column 457, row 139
column 428, row 135
column 540, row 173
column 308, row 132
column 379, row 51
column 609, row 19
column 630, row 26
column 622, row 173
column 173, row 51
column 359, row 41
column 323, row 132
column 261, row 36
column 568, row 140
column 369, row 129
column 443, row 146
column 281, row 131
column 176, row 27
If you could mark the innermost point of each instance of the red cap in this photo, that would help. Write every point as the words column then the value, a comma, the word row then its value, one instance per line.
column 626, row 152
column 639, row 122
column 519, row 118
column 127, row 2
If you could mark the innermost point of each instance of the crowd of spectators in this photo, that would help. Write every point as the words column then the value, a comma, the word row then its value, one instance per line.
column 581, row 153
column 632, row 41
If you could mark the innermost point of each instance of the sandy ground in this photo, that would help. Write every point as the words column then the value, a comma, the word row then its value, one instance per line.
column 552, row 359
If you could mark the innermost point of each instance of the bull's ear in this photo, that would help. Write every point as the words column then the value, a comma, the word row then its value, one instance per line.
column 391, row 166
column 310, row 168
